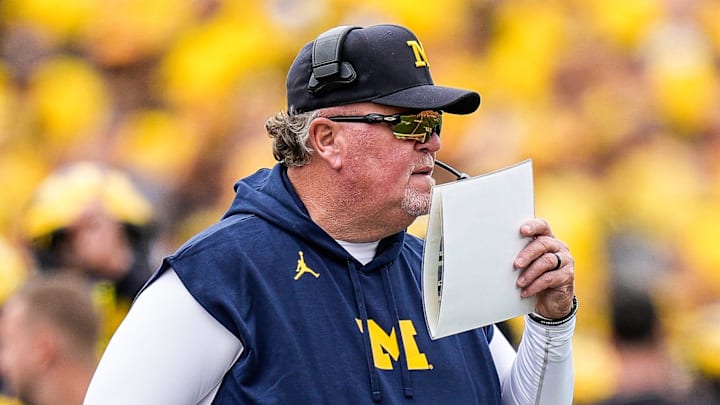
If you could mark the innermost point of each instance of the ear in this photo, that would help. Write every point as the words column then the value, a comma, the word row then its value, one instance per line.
column 327, row 141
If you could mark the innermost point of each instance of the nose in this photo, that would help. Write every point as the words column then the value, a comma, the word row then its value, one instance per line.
column 432, row 145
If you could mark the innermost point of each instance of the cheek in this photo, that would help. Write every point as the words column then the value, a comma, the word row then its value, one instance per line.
column 379, row 158
column 396, row 167
column 387, row 172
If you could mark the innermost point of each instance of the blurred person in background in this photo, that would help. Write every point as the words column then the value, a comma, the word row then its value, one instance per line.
column 93, row 221
column 48, row 340
column 13, row 272
column 647, row 373
column 308, row 290
column 701, row 346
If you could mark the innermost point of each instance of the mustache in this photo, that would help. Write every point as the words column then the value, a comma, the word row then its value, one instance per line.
column 426, row 164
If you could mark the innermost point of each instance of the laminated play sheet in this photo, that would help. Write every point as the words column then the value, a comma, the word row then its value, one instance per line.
column 472, row 239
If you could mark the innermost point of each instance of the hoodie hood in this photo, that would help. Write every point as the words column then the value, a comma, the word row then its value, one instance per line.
column 269, row 195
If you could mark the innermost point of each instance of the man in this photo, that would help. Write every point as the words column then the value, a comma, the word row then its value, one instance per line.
column 48, row 341
column 13, row 271
column 647, row 374
column 308, row 290
column 93, row 221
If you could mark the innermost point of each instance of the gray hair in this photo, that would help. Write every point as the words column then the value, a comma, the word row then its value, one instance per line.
column 290, row 135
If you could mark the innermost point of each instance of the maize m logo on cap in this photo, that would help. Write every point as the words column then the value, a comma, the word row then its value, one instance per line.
column 419, row 51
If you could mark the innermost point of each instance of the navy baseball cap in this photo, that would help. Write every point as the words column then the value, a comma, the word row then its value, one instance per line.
column 383, row 64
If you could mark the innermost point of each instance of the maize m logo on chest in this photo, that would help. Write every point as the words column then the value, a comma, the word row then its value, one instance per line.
column 386, row 348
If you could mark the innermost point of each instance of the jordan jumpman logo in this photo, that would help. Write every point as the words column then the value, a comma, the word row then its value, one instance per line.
column 302, row 268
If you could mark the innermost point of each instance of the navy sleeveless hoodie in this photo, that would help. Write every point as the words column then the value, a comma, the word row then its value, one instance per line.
column 317, row 326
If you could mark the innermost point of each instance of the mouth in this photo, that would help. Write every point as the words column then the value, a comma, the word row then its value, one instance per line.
column 423, row 171
column 424, row 168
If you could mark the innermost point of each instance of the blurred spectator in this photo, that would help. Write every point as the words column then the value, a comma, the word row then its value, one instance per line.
column 702, row 347
column 48, row 341
column 13, row 271
column 93, row 221
column 646, row 372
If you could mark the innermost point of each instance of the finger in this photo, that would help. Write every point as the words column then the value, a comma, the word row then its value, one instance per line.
column 535, row 227
column 559, row 281
column 547, row 262
column 538, row 247
column 559, row 261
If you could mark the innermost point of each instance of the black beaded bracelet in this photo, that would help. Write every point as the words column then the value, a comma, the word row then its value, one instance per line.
column 555, row 322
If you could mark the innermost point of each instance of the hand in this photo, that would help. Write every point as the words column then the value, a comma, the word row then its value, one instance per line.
column 541, row 276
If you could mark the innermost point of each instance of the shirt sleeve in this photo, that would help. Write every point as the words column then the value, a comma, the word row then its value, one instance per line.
column 167, row 350
column 542, row 370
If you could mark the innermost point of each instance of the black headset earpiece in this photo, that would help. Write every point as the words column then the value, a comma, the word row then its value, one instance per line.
column 328, row 69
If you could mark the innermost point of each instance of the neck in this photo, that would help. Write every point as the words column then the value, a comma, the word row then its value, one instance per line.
column 340, row 211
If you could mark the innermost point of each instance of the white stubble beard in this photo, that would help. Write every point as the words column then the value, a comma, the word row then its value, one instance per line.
column 416, row 202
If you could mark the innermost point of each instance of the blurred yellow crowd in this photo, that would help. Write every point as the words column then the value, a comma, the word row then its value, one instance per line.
column 617, row 102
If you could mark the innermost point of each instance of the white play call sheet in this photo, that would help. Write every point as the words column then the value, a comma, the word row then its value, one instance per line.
column 472, row 239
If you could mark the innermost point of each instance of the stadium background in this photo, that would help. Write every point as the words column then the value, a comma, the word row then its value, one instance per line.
column 617, row 102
